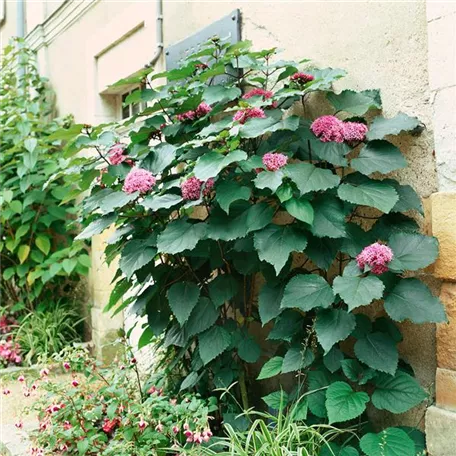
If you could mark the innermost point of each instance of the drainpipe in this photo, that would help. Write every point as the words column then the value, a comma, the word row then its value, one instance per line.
column 20, row 22
column 159, row 34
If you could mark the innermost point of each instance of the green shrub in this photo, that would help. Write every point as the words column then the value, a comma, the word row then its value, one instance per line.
column 40, row 262
column 231, row 190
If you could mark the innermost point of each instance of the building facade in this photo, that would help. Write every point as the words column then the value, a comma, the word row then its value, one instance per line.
column 406, row 49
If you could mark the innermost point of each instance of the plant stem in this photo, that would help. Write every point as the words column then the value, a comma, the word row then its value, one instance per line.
column 243, row 388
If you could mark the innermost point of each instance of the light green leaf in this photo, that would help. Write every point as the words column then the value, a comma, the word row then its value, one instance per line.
column 220, row 94
column 276, row 400
column 212, row 163
column 230, row 191
column 357, row 103
column 180, row 235
column 182, row 298
column 332, row 326
column 115, row 200
column 154, row 203
column 389, row 442
column 159, row 158
column 43, row 243
column 307, row 292
column 329, row 217
column 344, row 404
column 308, row 178
column 397, row 394
column 331, row 152
column 275, row 243
column 136, row 254
column 97, row 226
column 358, row 291
column 269, row 179
column 412, row 251
column 382, row 127
column 412, row 300
column 369, row 193
column 408, row 198
column 213, row 343
column 378, row 156
column 269, row 301
column 274, row 122
column 301, row 209
column 16, row 206
column 325, row 77
column 30, row 144
column 378, row 351
column 23, row 253
column 271, row 368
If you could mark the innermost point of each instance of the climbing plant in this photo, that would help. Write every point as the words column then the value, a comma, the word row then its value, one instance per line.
column 237, row 207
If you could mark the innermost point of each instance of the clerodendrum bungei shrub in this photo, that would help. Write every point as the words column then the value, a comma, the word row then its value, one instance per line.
column 233, row 212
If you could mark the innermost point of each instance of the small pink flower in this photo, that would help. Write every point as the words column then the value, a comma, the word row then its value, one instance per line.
column 176, row 429
column 26, row 392
column 258, row 92
column 202, row 110
column 243, row 115
column 152, row 389
column 133, row 360
column 197, row 437
column 67, row 425
column 116, row 154
column 21, row 379
column 301, row 78
column 274, row 161
column 138, row 180
column 44, row 372
column 34, row 387
column 186, row 426
column 6, row 392
column 201, row 66
column 186, row 116
column 328, row 128
column 75, row 383
column 159, row 427
column 173, row 401
column 354, row 131
column 66, row 365
column 142, row 424
column 376, row 256
column 19, row 425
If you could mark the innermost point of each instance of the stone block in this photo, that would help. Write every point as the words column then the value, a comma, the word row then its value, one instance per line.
column 440, row 431
column 443, row 227
column 445, row 389
column 446, row 332
column 442, row 52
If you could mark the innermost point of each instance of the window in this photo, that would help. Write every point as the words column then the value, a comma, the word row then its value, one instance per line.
column 133, row 108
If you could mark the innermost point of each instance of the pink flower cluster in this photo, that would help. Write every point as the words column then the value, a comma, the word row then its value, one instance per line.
column 330, row 128
column 274, row 161
column 258, row 92
column 10, row 352
column 197, row 437
column 35, row 451
column 301, row 78
column 248, row 113
column 191, row 188
column 110, row 425
column 116, row 154
column 376, row 256
column 138, row 180
column 200, row 111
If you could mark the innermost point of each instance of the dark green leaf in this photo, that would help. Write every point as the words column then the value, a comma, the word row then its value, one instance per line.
column 333, row 359
column 230, row 191
column 136, row 254
column 355, row 372
column 412, row 300
column 203, row 316
column 382, row 127
column 248, row 350
column 307, row 292
column 182, row 298
column 275, row 243
column 276, row 400
column 357, row 103
column 271, row 368
column 269, row 301
column 332, row 326
column 220, row 94
column 378, row 156
column 322, row 251
column 329, row 218
column 210, row 164
column 389, row 442
column 179, row 236
column 318, row 380
column 301, row 209
column 286, row 325
column 378, row 351
column 397, row 394
column 297, row 358
column 309, row 178
column 213, row 343
column 358, row 291
column 222, row 289
column 156, row 202
column 160, row 157
column 97, row 226
column 412, row 251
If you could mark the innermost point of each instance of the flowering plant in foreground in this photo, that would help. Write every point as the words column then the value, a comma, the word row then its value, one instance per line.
column 100, row 411
column 260, row 216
